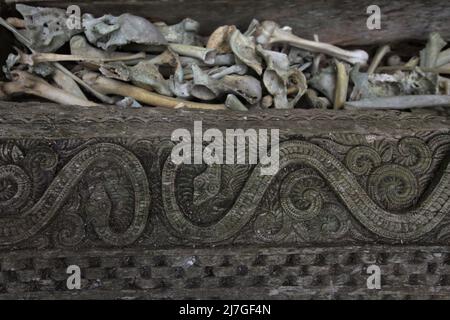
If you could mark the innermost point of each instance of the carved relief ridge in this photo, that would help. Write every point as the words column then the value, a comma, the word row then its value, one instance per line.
column 123, row 192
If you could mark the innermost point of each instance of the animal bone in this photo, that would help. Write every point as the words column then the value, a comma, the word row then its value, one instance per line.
column 207, row 88
column 128, row 102
column 430, row 55
column 315, row 101
column 239, row 69
column 206, row 55
column 342, row 80
column 220, row 39
column 17, row 22
column 98, row 95
column 38, row 57
column 325, row 82
column 278, row 76
column 224, row 60
column 394, row 60
column 80, row 47
column 219, row 60
column 25, row 83
column 443, row 58
column 67, row 84
column 177, row 85
column 145, row 75
column 401, row 102
column 45, row 28
column 19, row 36
column 110, row 32
column 445, row 70
column 267, row 102
column 245, row 50
column 381, row 53
column 233, row 103
column 26, row 42
column 270, row 33
column 184, row 32
column 110, row 86
column 386, row 85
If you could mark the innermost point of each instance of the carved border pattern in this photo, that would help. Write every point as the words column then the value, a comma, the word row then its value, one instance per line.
column 44, row 113
column 126, row 192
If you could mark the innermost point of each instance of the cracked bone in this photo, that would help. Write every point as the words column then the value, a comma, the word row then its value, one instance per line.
column 244, row 49
column 276, row 76
column 39, row 57
column 401, row 102
column 79, row 46
column 110, row 86
column 185, row 32
column 269, row 32
column 315, row 101
column 17, row 22
column 145, row 74
column 220, row 39
column 381, row 53
column 325, row 82
column 342, row 81
column 238, row 69
column 27, row 43
column 25, row 83
column 207, row 88
column 394, row 60
column 443, row 58
column 67, row 84
column 430, row 55
column 110, row 32
column 208, row 56
column 45, row 28
column 233, row 103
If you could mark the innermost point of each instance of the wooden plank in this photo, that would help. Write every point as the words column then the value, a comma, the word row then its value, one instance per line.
column 337, row 21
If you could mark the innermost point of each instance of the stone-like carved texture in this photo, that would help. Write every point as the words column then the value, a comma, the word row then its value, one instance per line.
column 83, row 180
column 232, row 273
column 119, row 192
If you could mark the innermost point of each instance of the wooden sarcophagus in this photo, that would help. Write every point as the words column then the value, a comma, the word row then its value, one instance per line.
column 95, row 187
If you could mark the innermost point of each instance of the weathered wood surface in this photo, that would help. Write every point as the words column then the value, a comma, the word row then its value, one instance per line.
column 95, row 187
column 377, row 177
column 337, row 21
column 408, row 272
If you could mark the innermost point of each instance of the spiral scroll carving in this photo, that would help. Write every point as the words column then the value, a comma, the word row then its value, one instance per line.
column 362, row 204
column 393, row 187
column 300, row 195
column 362, row 159
column 97, row 193
column 14, row 229
column 15, row 186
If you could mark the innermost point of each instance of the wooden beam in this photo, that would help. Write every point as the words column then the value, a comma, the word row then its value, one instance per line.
column 337, row 21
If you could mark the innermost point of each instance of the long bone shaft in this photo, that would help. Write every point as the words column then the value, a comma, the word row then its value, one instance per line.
column 25, row 83
column 270, row 33
column 26, row 42
column 110, row 86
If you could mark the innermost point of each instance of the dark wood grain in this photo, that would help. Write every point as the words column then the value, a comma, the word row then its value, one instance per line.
column 337, row 21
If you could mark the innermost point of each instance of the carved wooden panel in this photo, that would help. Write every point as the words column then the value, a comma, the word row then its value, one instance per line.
column 63, row 187
column 96, row 187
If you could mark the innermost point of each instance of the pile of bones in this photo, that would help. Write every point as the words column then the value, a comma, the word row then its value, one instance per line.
column 128, row 61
